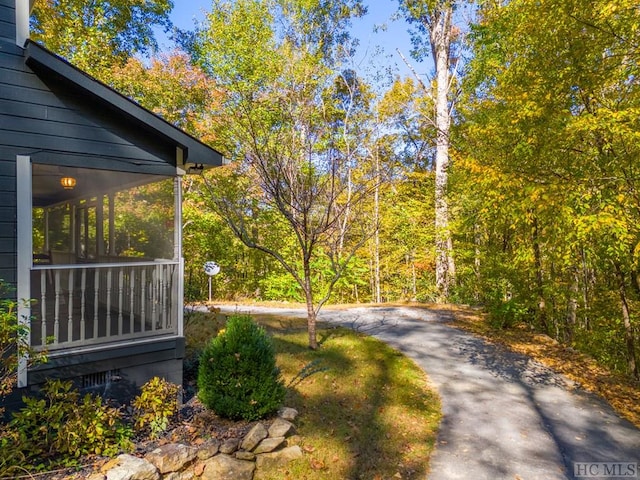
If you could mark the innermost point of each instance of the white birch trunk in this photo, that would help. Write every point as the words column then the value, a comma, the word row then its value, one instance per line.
column 440, row 36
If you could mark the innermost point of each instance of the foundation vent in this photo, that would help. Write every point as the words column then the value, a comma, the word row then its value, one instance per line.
column 100, row 379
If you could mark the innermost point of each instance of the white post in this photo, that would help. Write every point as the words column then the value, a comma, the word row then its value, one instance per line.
column 24, row 253
column 178, row 287
column 23, row 10
column 83, row 292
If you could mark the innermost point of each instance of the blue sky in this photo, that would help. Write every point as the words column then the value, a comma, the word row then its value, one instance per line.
column 377, row 48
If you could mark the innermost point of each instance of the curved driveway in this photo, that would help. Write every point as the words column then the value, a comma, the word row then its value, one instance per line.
column 505, row 415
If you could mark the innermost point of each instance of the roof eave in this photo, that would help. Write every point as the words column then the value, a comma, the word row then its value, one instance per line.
column 194, row 151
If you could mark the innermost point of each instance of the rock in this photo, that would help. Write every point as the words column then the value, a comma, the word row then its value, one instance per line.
column 269, row 445
column 172, row 457
column 281, row 457
column 229, row 446
column 288, row 413
column 281, row 428
column 199, row 468
column 96, row 476
column 186, row 475
column 225, row 467
column 254, row 437
column 243, row 455
column 208, row 450
column 114, row 462
column 133, row 468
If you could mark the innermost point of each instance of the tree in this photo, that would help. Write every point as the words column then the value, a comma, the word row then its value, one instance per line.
column 552, row 119
column 407, row 222
column 291, row 131
column 95, row 35
column 170, row 86
column 433, row 19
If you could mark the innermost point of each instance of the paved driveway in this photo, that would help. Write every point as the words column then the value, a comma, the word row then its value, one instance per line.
column 505, row 415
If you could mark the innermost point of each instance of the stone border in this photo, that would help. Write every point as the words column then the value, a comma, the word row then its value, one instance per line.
column 233, row 459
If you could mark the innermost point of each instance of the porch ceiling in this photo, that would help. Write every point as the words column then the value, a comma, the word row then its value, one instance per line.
column 48, row 191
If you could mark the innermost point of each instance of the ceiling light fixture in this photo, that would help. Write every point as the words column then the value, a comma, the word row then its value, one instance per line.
column 68, row 183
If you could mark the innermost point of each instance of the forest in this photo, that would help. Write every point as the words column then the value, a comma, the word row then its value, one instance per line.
column 508, row 178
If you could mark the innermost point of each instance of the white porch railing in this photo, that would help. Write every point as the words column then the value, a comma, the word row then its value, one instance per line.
column 89, row 304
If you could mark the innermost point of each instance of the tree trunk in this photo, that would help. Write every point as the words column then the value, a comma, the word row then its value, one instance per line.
column 414, row 279
column 572, row 307
column 476, row 260
column 586, row 279
column 440, row 36
column 629, row 337
column 376, row 212
column 537, row 259
column 311, row 311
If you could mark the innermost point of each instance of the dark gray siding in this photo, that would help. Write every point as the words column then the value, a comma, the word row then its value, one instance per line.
column 7, row 216
column 8, row 53
column 7, row 20
column 47, row 122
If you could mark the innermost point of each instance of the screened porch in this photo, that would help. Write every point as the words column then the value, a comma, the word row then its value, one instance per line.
column 106, row 261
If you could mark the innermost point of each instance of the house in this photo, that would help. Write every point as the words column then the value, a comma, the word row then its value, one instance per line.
column 90, row 219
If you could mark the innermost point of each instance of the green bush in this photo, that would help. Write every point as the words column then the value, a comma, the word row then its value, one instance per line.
column 238, row 377
column 60, row 427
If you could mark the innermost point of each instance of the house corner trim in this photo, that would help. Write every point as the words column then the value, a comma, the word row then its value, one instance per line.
column 24, row 254
column 23, row 11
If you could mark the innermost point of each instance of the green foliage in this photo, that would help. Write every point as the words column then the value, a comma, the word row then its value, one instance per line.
column 96, row 35
column 60, row 427
column 156, row 405
column 11, row 345
column 506, row 313
column 548, row 178
column 238, row 377
column 13, row 342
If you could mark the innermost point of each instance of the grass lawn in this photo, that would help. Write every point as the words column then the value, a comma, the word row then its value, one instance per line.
column 366, row 411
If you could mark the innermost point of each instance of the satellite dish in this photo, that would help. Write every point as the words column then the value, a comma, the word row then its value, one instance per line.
column 211, row 268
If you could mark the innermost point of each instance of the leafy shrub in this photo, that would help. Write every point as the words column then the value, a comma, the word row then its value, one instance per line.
column 238, row 377
column 60, row 427
column 507, row 314
column 13, row 344
column 156, row 404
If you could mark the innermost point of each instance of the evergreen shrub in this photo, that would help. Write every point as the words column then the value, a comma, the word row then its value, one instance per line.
column 238, row 377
